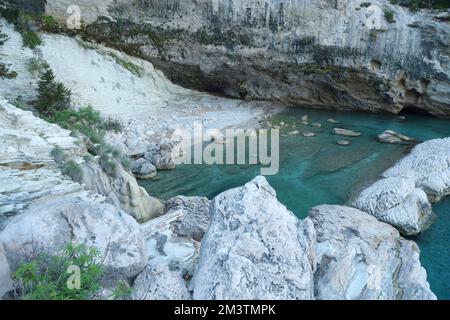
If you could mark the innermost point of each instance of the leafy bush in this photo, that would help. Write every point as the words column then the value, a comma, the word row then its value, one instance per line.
column 72, row 170
column 126, row 163
column 108, row 164
column 53, row 96
column 47, row 277
column 58, row 154
column 84, row 120
column 37, row 66
column 389, row 15
column 31, row 39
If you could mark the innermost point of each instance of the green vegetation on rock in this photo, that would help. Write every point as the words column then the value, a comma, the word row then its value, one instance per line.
column 54, row 277
column 53, row 96
column 389, row 15
column 72, row 170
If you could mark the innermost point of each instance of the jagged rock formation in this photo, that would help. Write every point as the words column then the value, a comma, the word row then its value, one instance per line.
column 49, row 226
column 21, row 189
column 402, row 197
column 174, row 238
column 26, row 161
column 338, row 54
column 160, row 283
column 255, row 248
column 27, row 141
column 398, row 202
column 361, row 258
column 122, row 190
column 196, row 216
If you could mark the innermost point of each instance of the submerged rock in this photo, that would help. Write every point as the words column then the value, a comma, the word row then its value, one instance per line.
column 362, row 258
column 255, row 248
column 160, row 283
column 390, row 136
column 397, row 201
column 346, row 132
column 50, row 226
column 343, row 142
column 5, row 276
column 428, row 164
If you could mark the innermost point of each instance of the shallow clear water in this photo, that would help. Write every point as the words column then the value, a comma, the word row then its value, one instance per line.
column 316, row 170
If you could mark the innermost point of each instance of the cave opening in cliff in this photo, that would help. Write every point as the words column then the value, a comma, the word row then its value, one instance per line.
column 409, row 109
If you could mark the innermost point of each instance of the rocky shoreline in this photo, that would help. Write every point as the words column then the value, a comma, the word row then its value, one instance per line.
column 243, row 244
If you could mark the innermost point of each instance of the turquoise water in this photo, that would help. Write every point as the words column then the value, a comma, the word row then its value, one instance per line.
column 316, row 170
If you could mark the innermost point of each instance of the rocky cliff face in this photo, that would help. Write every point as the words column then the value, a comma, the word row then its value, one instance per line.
column 339, row 54
column 27, row 162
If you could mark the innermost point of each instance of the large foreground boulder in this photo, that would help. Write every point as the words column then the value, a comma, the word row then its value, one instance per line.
column 49, row 226
column 362, row 258
column 398, row 202
column 255, row 248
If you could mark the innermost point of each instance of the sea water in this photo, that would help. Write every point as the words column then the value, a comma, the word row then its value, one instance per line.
column 316, row 170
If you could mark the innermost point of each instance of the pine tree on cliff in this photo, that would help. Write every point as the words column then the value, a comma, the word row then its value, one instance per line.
column 53, row 96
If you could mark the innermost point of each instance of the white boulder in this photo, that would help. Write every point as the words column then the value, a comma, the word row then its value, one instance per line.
column 255, row 248
column 398, row 202
column 50, row 226
column 361, row 258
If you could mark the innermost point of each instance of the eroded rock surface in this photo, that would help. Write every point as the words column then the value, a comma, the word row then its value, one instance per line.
column 160, row 283
column 255, row 248
column 362, row 258
column 428, row 164
column 398, row 202
column 50, row 226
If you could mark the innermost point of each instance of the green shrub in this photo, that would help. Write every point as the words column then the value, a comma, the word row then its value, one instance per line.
column 72, row 170
column 122, row 291
column 110, row 124
column 108, row 164
column 10, row 15
column 37, row 66
column 389, row 15
column 31, row 39
column 53, row 96
column 126, row 163
column 47, row 277
column 58, row 154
